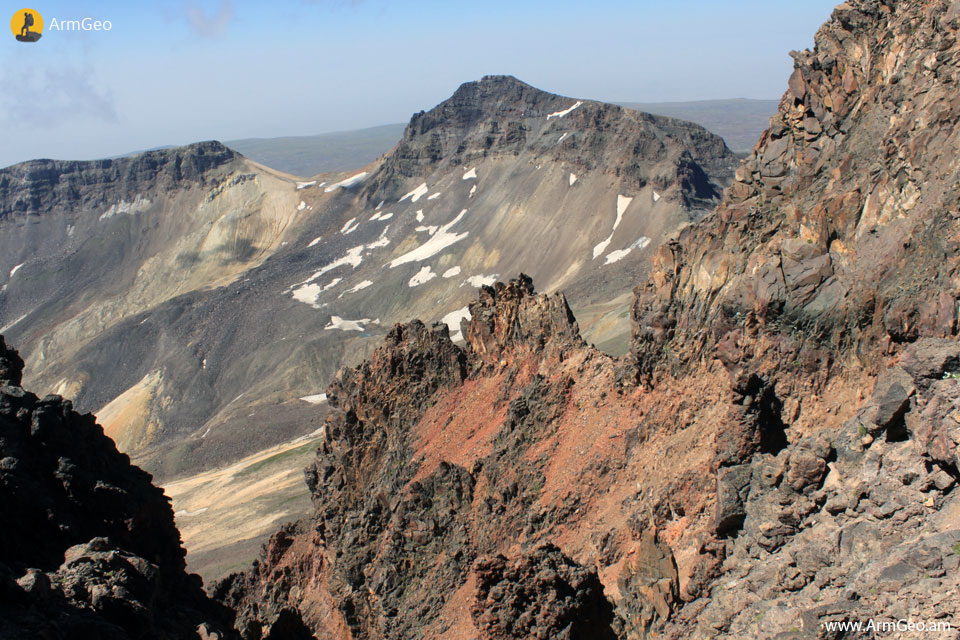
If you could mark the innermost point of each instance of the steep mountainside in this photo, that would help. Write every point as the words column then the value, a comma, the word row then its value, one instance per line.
column 200, row 303
column 778, row 453
column 88, row 548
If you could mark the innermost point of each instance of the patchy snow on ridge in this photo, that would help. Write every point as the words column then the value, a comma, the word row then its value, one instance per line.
column 382, row 241
column 452, row 271
column 616, row 256
column 15, row 269
column 601, row 247
column 560, row 114
column 315, row 241
column 308, row 294
column 360, row 287
column 336, row 322
column 573, row 178
column 417, row 193
column 470, row 174
column 437, row 243
column 425, row 274
column 622, row 203
column 481, row 280
column 304, row 185
column 349, row 182
column 319, row 398
column 453, row 319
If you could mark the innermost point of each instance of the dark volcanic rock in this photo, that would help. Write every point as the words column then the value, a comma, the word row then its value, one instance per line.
column 90, row 540
column 541, row 594
column 500, row 115
column 11, row 365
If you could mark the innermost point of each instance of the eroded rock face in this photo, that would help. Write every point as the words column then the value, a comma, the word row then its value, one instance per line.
column 542, row 594
column 837, row 228
column 88, row 547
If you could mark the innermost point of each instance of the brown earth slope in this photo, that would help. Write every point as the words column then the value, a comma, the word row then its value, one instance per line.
column 778, row 454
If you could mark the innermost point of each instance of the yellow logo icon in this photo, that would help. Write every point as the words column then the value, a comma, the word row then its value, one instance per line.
column 27, row 25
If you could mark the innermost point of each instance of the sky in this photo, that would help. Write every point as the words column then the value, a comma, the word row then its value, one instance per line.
column 179, row 71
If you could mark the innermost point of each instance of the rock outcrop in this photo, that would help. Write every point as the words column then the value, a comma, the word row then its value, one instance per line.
column 88, row 547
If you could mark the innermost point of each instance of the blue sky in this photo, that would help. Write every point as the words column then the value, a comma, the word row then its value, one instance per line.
column 185, row 70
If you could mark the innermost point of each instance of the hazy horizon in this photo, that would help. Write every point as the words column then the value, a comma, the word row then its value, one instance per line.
column 200, row 70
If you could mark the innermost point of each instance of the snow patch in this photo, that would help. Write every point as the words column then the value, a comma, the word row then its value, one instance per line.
column 601, row 247
column 481, row 280
column 452, row 271
column 349, row 182
column 431, row 229
column 434, row 196
column 304, row 185
column 563, row 137
column 622, row 203
column 336, row 322
column 15, row 269
column 560, row 114
column 333, row 283
column 417, row 193
column 386, row 216
column 319, row 398
column 473, row 190
column 470, row 174
column 425, row 274
column 308, row 294
column 315, row 241
column 352, row 228
column 453, row 320
column 382, row 202
column 360, row 287
column 573, row 178
column 419, row 215
column 346, row 225
column 301, row 206
column 382, row 241
column 656, row 196
column 437, row 243
column 616, row 256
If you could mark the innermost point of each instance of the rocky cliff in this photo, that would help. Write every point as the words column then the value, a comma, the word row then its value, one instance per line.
column 777, row 454
column 88, row 547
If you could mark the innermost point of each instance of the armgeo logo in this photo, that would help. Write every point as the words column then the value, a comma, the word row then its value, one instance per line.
column 27, row 25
